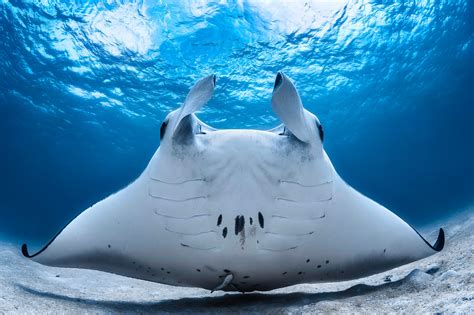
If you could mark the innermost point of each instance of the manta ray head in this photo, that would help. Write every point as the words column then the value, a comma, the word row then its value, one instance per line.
column 293, row 149
column 181, row 125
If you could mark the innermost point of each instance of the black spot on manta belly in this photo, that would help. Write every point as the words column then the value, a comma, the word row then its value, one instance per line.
column 224, row 232
column 260, row 220
column 219, row 220
column 239, row 224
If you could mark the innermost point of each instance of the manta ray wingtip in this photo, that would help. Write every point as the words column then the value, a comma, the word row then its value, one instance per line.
column 24, row 251
column 439, row 244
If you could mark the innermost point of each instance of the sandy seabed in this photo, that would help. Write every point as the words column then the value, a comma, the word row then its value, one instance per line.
column 442, row 283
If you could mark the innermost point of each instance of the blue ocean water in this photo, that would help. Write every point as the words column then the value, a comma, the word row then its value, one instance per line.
column 85, row 85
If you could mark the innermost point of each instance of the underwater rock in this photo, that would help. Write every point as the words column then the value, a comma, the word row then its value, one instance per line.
column 419, row 278
column 433, row 268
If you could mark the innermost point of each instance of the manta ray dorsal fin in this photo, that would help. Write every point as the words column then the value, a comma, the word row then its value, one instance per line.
column 286, row 103
column 197, row 97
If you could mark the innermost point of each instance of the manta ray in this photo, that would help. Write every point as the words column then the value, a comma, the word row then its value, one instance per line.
column 238, row 210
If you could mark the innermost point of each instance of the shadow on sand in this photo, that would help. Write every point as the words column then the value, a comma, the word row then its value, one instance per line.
column 229, row 302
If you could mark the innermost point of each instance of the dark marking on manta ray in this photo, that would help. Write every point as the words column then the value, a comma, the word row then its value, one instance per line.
column 198, row 270
column 260, row 220
column 239, row 224
column 384, row 250
column 284, row 273
column 327, row 261
column 251, row 220
column 163, row 129
column 319, row 266
column 321, row 132
column 184, row 245
column 224, row 232
column 246, row 277
column 308, row 260
column 109, row 246
column 278, row 80
column 226, row 270
column 219, row 220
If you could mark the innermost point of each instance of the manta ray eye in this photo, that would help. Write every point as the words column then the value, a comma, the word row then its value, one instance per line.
column 321, row 131
column 163, row 129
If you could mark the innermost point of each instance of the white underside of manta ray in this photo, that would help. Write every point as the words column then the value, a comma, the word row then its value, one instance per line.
column 238, row 210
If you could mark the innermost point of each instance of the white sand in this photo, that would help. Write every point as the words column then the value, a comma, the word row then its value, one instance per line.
column 441, row 283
